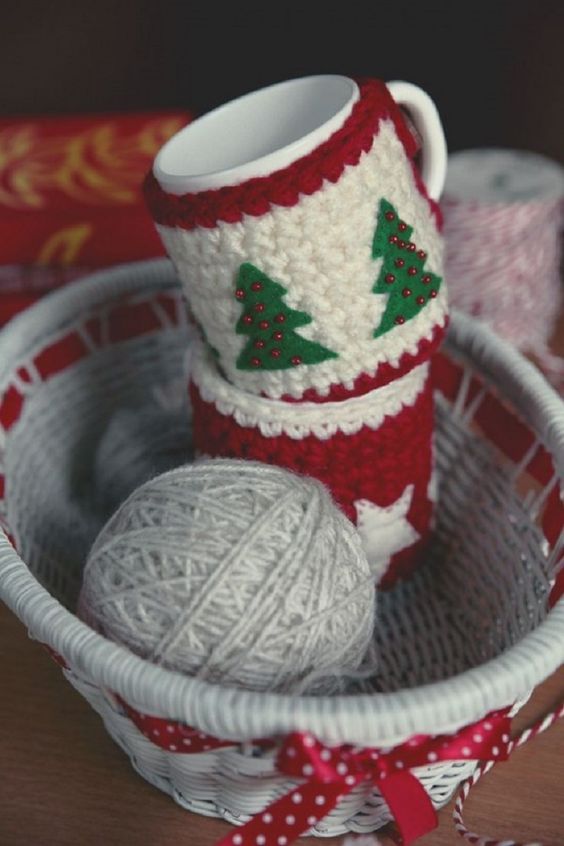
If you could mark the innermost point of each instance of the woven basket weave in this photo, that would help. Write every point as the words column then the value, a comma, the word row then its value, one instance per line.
column 471, row 633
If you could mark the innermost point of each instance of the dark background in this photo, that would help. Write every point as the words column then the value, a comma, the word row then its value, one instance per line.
column 495, row 69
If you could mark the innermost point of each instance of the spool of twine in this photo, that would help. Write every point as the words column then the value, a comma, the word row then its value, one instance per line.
column 503, row 212
column 234, row 572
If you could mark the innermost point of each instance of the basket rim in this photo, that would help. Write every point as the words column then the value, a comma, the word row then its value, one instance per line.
column 437, row 707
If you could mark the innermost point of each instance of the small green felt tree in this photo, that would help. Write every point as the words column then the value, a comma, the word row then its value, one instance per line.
column 402, row 275
column 270, row 323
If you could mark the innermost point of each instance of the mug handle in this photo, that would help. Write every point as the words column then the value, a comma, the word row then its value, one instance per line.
column 426, row 118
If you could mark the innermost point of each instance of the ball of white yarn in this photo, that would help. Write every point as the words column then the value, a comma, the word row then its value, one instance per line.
column 234, row 572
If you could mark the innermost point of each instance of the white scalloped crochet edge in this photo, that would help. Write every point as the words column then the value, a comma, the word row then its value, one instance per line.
column 298, row 420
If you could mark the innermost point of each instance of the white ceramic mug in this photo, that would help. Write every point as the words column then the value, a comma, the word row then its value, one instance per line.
column 267, row 130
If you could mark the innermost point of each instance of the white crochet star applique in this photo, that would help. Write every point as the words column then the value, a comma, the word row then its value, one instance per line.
column 385, row 531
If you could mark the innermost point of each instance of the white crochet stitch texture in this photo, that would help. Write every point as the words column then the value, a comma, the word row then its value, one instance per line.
column 320, row 250
column 298, row 420
column 234, row 572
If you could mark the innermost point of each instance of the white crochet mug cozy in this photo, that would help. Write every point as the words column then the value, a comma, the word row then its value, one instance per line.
column 287, row 189
column 308, row 246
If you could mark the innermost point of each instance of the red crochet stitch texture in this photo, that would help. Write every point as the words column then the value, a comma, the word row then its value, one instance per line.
column 374, row 465
column 304, row 176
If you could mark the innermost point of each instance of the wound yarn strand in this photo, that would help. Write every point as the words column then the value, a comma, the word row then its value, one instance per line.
column 504, row 213
column 235, row 572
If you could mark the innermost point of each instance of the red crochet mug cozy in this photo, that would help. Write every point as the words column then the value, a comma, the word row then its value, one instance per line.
column 318, row 290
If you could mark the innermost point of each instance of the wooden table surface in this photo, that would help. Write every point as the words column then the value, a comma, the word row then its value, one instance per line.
column 63, row 782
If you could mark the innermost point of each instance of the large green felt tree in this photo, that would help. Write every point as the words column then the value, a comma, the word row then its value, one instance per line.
column 402, row 276
column 270, row 323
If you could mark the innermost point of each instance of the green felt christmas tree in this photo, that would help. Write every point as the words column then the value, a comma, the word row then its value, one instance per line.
column 402, row 276
column 270, row 323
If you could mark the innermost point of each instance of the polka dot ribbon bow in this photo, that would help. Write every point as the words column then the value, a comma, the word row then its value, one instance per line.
column 331, row 773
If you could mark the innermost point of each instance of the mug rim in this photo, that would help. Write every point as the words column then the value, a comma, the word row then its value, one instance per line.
column 177, row 183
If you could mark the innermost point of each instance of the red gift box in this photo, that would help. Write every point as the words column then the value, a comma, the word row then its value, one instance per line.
column 70, row 196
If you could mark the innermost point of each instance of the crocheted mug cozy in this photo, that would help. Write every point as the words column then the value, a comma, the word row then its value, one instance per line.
column 325, row 273
column 319, row 295
column 373, row 451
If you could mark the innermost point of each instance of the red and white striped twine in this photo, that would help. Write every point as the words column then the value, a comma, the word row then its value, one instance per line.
column 480, row 771
column 504, row 212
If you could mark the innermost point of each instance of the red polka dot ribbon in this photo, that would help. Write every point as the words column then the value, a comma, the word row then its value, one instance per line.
column 331, row 773
column 528, row 734
column 170, row 734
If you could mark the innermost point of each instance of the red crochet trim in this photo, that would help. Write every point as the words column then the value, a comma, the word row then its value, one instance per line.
column 385, row 373
column 304, row 176
column 374, row 465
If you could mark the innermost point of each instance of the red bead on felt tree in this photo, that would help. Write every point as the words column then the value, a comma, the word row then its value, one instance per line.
column 272, row 350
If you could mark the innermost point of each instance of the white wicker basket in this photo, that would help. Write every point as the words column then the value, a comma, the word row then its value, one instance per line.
column 471, row 633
